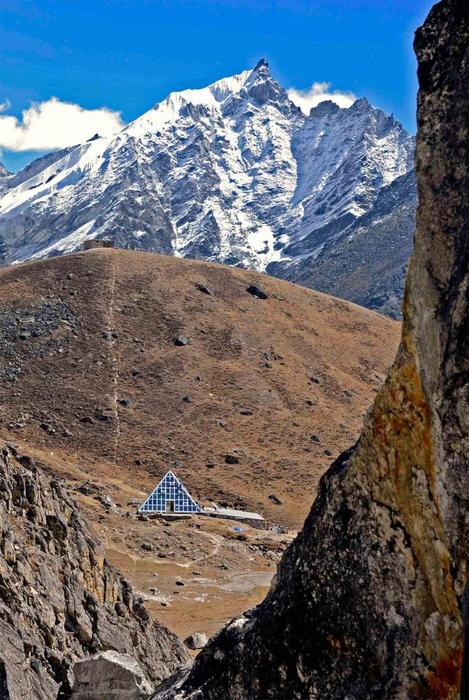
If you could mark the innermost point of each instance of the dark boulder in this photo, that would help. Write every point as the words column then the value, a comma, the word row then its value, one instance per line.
column 275, row 499
column 125, row 402
column 256, row 291
column 181, row 340
column 202, row 288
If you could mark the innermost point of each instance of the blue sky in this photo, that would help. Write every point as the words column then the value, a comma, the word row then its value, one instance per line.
column 126, row 55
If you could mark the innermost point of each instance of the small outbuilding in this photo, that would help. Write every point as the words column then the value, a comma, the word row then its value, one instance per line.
column 245, row 516
column 92, row 243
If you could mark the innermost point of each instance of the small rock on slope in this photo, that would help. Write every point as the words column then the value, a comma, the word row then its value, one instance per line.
column 256, row 291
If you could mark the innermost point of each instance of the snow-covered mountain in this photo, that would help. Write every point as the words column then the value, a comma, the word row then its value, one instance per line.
column 233, row 172
column 367, row 265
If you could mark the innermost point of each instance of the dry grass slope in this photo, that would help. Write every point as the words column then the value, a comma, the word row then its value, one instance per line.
column 91, row 378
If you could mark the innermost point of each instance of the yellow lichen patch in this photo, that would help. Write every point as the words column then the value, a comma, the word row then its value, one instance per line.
column 396, row 463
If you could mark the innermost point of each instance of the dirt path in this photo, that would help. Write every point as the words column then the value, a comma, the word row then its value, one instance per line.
column 114, row 358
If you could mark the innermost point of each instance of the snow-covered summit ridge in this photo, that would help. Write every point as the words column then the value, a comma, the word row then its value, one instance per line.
column 245, row 85
column 233, row 172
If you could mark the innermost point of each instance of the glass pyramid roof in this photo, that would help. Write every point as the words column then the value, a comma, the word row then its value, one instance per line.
column 170, row 496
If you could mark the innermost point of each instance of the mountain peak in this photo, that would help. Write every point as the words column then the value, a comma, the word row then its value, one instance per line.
column 324, row 108
column 262, row 63
column 361, row 105
column 261, row 87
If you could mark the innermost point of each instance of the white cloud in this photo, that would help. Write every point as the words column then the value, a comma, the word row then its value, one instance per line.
column 319, row 92
column 54, row 124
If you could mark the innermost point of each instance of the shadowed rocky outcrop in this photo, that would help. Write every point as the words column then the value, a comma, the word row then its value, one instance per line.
column 59, row 598
column 368, row 599
column 368, row 264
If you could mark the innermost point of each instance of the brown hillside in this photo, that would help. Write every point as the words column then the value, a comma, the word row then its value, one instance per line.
column 92, row 385
column 90, row 374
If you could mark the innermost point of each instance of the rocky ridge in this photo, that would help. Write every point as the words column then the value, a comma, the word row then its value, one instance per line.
column 60, row 600
column 369, row 599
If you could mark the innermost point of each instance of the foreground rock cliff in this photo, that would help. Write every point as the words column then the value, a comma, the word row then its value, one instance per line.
column 368, row 600
column 59, row 598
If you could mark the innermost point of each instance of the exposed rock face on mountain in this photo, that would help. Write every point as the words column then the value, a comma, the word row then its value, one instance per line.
column 368, row 601
column 5, row 179
column 36, row 166
column 59, row 598
column 4, row 173
column 233, row 173
column 368, row 264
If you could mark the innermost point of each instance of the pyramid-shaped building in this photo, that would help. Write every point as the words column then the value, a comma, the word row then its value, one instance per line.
column 170, row 496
